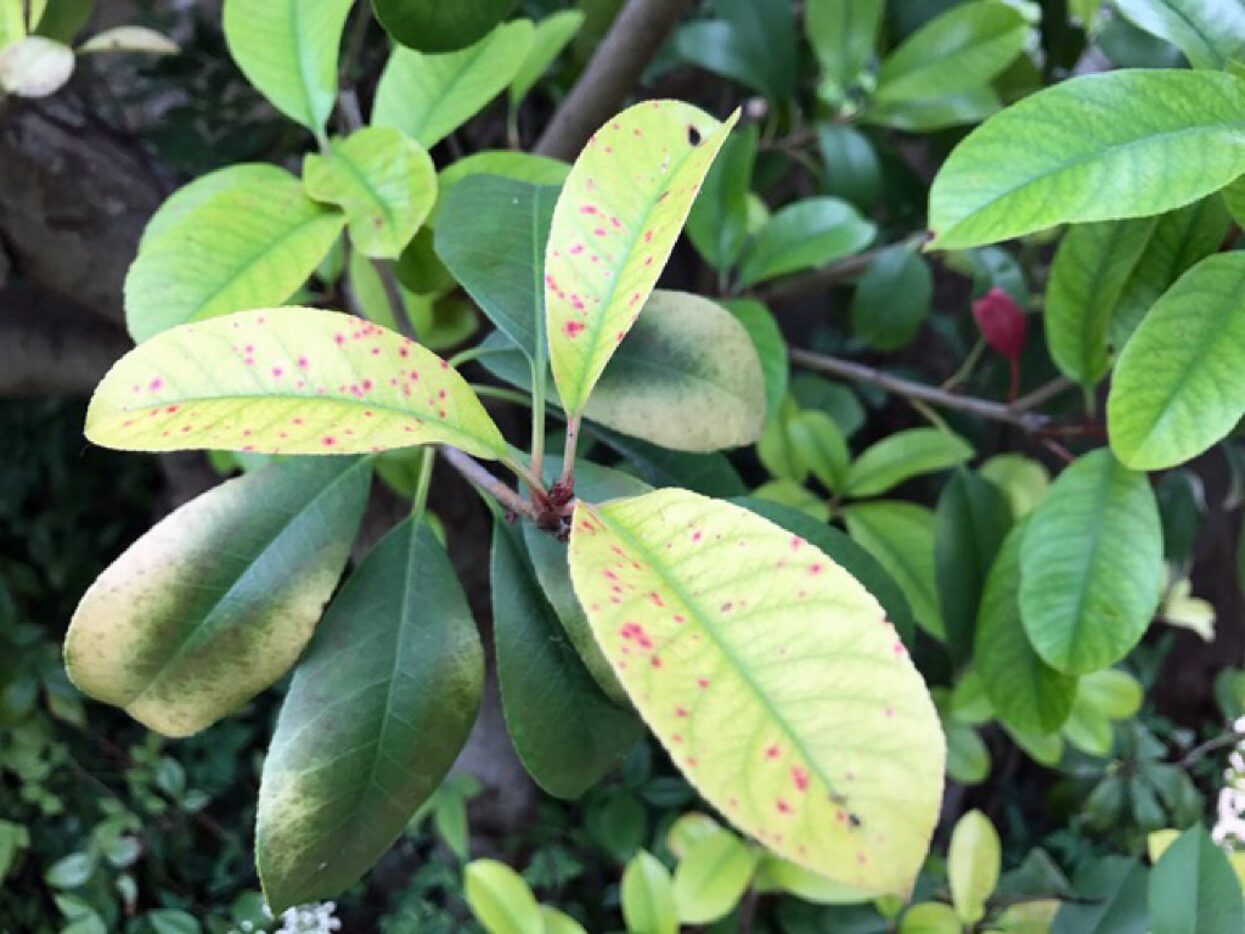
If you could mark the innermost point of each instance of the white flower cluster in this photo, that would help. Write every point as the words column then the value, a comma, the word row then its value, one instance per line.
column 1229, row 827
column 310, row 919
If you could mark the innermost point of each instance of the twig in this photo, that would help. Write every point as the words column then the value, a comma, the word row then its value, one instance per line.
column 639, row 30
column 1042, row 394
column 909, row 389
column 818, row 279
column 393, row 292
column 470, row 468
column 1211, row 745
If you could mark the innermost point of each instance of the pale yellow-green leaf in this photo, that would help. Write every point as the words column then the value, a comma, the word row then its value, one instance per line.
column 250, row 240
column 973, row 863
column 1023, row 481
column 428, row 97
column 930, row 918
column 501, row 900
column 216, row 602
column 384, row 182
column 288, row 49
column 1027, row 917
column 771, row 676
column 287, row 381
column 711, row 879
column 647, row 895
column 182, row 203
column 130, row 39
column 687, row 830
column 776, row 874
column 13, row 25
column 35, row 67
column 1181, row 608
column 618, row 218
column 559, row 922
column 1158, row 842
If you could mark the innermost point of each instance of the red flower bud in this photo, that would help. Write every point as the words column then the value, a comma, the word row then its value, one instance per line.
column 1003, row 323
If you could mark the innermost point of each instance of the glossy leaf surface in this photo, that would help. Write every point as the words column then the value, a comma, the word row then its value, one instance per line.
column 437, row 26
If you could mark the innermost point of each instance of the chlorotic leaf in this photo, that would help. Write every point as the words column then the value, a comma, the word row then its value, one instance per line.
column 1025, row 692
column 288, row 49
column 712, row 877
column 130, row 39
column 182, row 203
column 1091, row 565
column 717, row 623
column 1087, row 150
column 687, row 378
column 428, row 97
column 930, row 918
column 384, row 182
column 251, row 244
column 1090, row 271
column 904, row 455
column 504, row 275
column 901, row 537
column 34, row 66
column 378, row 710
column 500, row 899
column 973, row 862
column 955, row 52
column 287, row 381
column 437, row 26
column 614, row 227
column 647, row 896
column 566, row 732
column 216, row 602
column 1179, row 385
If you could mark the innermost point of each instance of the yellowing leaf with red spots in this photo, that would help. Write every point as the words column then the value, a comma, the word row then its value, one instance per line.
column 287, row 381
column 772, row 677
column 614, row 226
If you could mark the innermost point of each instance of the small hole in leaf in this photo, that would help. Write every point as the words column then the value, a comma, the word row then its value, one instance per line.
column 693, row 135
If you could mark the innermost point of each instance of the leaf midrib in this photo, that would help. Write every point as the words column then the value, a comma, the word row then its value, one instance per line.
column 695, row 609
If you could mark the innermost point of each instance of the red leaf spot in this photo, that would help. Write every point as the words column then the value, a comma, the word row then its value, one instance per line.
column 156, row 384
column 328, row 441
column 572, row 328
column 772, row 752
column 783, row 806
column 800, row 777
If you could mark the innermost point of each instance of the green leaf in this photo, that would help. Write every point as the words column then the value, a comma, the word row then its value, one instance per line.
column 704, row 610
column 13, row 25
column 709, row 474
column 647, row 896
column 1211, row 33
column 378, row 710
column 1179, row 385
column 71, row 872
column 287, row 381
column 1091, row 565
column 559, row 922
column 973, row 862
column 852, row 557
column 968, row 757
column 770, row 346
column 428, row 97
column 504, row 275
column 819, row 446
column 216, row 602
column 794, row 496
column 614, row 227
column 712, row 877
column 520, row 166
column 566, row 732
column 1181, row 238
column 804, row 235
column 1193, row 889
column 901, row 537
column 957, row 52
column 930, row 918
column 252, row 243
column 853, row 170
column 926, row 115
column 753, row 42
column 14, row 838
column 687, row 377
column 718, row 223
column 551, row 36
column 1087, row 150
column 385, row 183
column 892, row 298
column 843, row 34
column 902, row 456
column 437, row 26
column 1026, row 693
column 1091, row 269
column 185, row 201
column 970, row 524
column 1112, row 899
column 288, row 49
column 62, row 20
column 1023, row 480
column 1234, row 200
column 501, row 900
column 549, row 560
